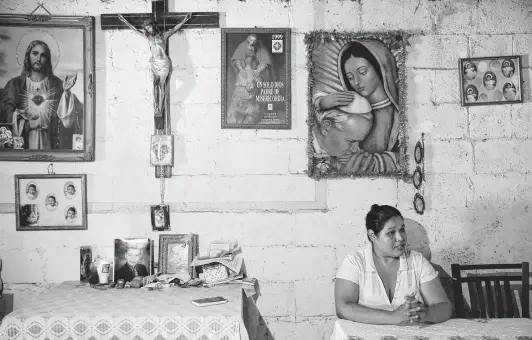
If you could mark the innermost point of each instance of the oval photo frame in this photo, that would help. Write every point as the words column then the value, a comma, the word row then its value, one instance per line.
column 419, row 204
column 417, row 178
column 419, row 152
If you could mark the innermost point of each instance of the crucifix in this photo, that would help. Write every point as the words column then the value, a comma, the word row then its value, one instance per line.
column 157, row 27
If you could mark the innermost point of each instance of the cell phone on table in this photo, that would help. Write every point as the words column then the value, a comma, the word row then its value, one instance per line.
column 209, row 301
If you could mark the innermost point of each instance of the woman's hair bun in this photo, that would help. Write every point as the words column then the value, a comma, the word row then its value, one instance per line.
column 374, row 206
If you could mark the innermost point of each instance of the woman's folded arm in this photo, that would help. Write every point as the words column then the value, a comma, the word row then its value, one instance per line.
column 347, row 307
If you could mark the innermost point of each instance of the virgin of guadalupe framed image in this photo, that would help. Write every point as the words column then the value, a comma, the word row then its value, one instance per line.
column 256, row 78
column 357, row 112
column 491, row 80
column 176, row 252
column 47, row 88
column 50, row 202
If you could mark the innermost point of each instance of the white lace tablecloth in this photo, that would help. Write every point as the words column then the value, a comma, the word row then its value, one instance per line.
column 453, row 329
column 71, row 311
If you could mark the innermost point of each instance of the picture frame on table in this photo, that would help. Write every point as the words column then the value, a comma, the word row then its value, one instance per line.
column 491, row 80
column 132, row 257
column 53, row 119
column 51, row 202
column 256, row 78
column 176, row 252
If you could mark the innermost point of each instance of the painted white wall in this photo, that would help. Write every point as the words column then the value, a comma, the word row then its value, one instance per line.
column 251, row 185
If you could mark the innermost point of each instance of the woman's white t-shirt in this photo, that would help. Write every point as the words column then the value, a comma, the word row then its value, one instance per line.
column 359, row 268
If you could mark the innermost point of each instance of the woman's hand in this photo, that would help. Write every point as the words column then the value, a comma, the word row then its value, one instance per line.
column 401, row 314
column 417, row 310
column 335, row 99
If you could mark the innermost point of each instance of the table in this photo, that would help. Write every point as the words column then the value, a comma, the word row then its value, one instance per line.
column 74, row 311
column 453, row 329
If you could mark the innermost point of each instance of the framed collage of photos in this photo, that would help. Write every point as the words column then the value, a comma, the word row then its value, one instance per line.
column 176, row 252
column 51, row 202
column 47, row 105
column 491, row 80
column 256, row 78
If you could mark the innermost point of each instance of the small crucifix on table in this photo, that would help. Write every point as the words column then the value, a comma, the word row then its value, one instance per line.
column 157, row 27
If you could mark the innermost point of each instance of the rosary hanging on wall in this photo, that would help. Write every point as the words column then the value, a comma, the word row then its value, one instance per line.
column 419, row 175
column 161, row 155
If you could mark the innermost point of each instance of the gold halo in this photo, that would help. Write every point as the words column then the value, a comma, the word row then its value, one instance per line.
column 41, row 35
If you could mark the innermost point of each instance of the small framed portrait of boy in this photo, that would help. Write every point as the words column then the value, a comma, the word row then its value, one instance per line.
column 133, row 257
column 160, row 217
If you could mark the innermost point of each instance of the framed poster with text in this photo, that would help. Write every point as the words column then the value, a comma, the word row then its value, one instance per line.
column 256, row 78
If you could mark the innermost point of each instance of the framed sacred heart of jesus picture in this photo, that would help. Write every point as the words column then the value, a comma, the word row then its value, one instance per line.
column 47, row 95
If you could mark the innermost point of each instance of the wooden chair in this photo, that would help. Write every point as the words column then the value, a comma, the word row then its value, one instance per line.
column 494, row 299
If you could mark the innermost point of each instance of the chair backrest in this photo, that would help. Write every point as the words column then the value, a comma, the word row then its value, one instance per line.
column 1, row 282
column 491, row 295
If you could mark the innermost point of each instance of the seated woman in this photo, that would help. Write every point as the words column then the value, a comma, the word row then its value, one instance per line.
column 385, row 283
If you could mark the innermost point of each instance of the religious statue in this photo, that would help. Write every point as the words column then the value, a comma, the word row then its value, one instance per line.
column 160, row 63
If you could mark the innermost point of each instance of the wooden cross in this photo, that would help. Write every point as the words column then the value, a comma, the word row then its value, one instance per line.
column 165, row 21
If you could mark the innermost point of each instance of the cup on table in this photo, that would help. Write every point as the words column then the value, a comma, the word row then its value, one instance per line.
column 103, row 268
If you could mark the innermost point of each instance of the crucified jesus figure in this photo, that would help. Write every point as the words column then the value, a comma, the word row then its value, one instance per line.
column 160, row 63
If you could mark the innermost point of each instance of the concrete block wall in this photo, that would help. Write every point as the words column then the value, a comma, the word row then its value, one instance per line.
column 251, row 185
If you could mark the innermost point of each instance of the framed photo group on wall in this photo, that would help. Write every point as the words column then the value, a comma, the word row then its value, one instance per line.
column 490, row 80
column 47, row 96
column 50, row 202
column 256, row 92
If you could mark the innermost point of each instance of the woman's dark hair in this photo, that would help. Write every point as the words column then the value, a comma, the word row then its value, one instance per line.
column 358, row 50
column 378, row 215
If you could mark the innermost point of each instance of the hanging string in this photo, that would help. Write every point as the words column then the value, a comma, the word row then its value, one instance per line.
column 161, row 176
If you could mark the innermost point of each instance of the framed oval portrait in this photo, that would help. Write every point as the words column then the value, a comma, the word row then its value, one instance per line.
column 417, row 178
column 419, row 152
column 419, row 203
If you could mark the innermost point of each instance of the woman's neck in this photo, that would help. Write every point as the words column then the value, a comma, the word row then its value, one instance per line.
column 378, row 95
column 384, row 260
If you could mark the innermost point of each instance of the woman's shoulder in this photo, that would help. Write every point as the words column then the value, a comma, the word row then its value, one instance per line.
column 415, row 257
column 415, row 254
column 357, row 258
